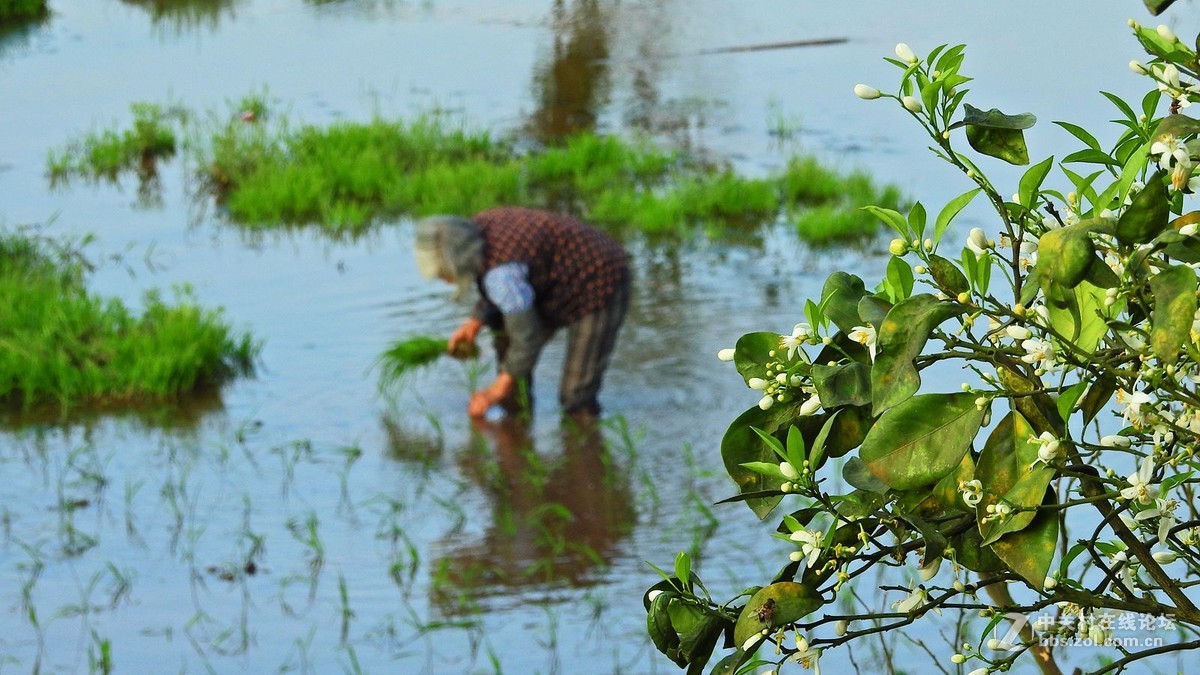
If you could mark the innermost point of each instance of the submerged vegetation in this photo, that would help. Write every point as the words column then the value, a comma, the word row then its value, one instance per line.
column 347, row 176
column 22, row 10
column 61, row 344
column 107, row 153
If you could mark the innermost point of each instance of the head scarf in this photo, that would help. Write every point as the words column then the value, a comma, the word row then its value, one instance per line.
column 449, row 247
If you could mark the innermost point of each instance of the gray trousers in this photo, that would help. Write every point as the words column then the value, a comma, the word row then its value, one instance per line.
column 590, row 343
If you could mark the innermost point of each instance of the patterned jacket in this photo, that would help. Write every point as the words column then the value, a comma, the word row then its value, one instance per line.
column 574, row 268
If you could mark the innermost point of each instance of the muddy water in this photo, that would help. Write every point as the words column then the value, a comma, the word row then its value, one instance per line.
column 390, row 535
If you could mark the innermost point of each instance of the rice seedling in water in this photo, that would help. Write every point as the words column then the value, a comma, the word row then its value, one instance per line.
column 407, row 355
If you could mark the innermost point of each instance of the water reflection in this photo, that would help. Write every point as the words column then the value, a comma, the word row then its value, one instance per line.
column 182, row 16
column 572, row 84
column 186, row 414
column 554, row 520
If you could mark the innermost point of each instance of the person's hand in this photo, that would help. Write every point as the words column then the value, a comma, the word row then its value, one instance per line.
column 484, row 399
column 462, row 340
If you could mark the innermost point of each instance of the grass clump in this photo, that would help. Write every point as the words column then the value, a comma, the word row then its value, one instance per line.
column 105, row 154
column 347, row 176
column 12, row 11
column 61, row 344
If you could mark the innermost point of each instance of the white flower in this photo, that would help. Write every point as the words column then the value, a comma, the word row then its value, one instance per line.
column 905, row 53
column 807, row 656
column 1125, row 575
column 1140, row 487
column 725, row 354
column 1039, row 353
column 912, row 104
column 812, row 405
column 793, row 342
column 1049, row 449
column 917, row 598
column 1134, row 414
column 977, row 241
column 980, row 671
column 1164, row 510
column 810, row 546
column 866, row 92
column 865, row 335
column 930, row 569
column 752, row 642
column 1170, row 152
column 972, row 492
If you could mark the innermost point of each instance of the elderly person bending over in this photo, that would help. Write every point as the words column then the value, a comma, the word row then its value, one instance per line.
column 536, row 272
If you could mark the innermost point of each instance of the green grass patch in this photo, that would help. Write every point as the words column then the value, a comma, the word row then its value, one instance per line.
column 109, row 152
column 22, row 10
column 347, row 176
column 61, row 344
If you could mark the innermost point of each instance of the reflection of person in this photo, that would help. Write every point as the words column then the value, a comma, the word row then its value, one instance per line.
column 558, row 518
column 536, row 272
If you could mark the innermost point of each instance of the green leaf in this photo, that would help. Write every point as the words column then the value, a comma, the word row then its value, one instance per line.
column 944, row 498
column 921, row 440
column 901, row 277
column 1067, row 399
column 741, row 445
column 947, row 275
column 1157, row 7
column 1010, row 473
column 1081, row 133
column 892, row 218
column 872, row 309
column 900, row 338
column 843, row 384
column 1131, row 170
column 683, row 566
column 1090, row 156
column 996, row 134
column 856, row 473
column 1079, row 312
column 773, row 606
column 916, row 219
column 1174, row 292
column 1031, row 182
column 1030, row 551
column 1148, row 215
column 841, row 295
column 1065, row 254
column 950, row 210
column 1177, row 125
column 753, row 351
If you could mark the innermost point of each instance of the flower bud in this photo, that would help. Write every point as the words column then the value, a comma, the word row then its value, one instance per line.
column 725, row 354
column 866, row 92
column 788, row 470
column 1164, row 557
column 905, row 53
column 957, row 658
column 841, row 627
column 1018, row 309
column 1049, row 583
column 1165, row 32
column 1018, row 332
column 964, row 297
column 920, row 269
column 898, row 247
column 1115, row 441
column 1137, row 67
column 653, row 594
column 756, row 383
column 912, row 104
column 766, row 402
